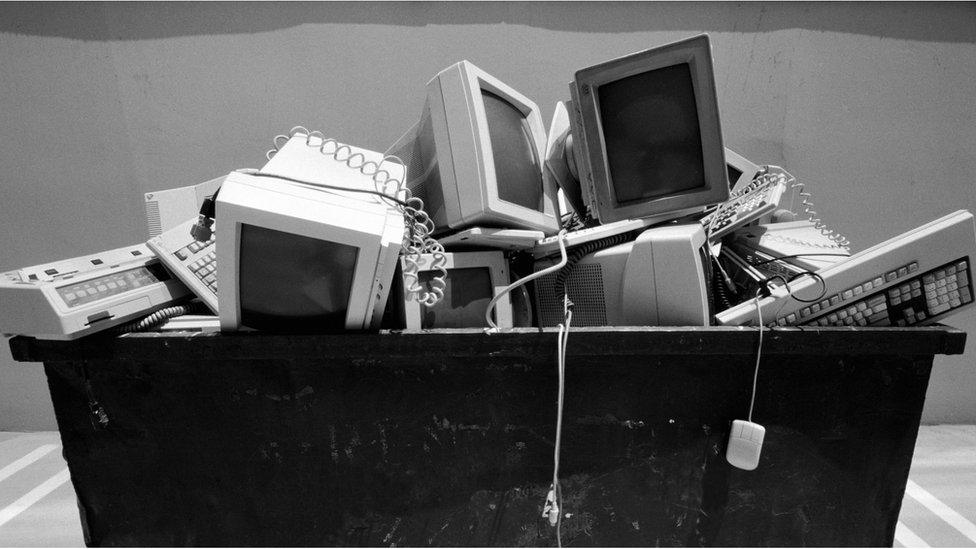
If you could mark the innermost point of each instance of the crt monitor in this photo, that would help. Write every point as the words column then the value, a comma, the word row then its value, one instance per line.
column 646, row 134
column 300, row 259
column 475, row 156
column 663, row 278
column 473, row 279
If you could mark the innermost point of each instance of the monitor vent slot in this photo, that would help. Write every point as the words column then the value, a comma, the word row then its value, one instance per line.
column 153, row 220
column 585, row 289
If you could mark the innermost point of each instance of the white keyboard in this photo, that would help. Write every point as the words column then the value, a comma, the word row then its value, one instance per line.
column 913, row 279
column 194, row 263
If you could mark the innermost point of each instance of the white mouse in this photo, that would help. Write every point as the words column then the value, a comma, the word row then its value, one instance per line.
column 745, row 444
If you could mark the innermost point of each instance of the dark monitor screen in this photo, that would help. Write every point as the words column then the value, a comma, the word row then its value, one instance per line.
column 293, row 283
column 518, row 172
column 466, row 297
column 652, row 135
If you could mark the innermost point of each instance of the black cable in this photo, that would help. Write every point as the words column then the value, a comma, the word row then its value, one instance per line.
column 160, row 316
column 583, row 250
column 336, row 188
column 823, row 284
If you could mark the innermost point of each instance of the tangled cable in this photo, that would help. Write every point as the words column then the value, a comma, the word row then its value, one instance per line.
column 417, row 239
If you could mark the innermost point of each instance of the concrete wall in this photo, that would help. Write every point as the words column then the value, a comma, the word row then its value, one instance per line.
column 870, row 105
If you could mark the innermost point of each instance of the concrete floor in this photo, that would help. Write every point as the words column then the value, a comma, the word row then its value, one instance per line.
column 37, row 502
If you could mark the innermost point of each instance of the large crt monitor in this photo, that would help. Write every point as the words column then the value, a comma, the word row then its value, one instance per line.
column 646, row 134
column 475, row 157
column 299, row 259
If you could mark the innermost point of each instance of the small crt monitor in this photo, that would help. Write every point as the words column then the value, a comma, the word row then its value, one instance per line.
column 475, row 156
column 473, row 279
column 663, row 278
column 646, row 134
column 301, row 259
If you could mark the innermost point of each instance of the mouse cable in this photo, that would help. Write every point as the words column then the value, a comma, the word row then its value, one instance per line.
column 491, row 304
column 755, row 373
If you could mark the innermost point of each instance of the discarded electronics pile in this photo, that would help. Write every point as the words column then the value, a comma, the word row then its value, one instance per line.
column 629, row 211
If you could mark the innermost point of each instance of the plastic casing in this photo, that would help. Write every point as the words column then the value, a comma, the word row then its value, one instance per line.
column 464, row 157
column 589, row 149
column 497, row 267
column 372, row 226
column 168, row 208
column 946, row 239
column 747, row 168
column 656, row 280
column 35, row 308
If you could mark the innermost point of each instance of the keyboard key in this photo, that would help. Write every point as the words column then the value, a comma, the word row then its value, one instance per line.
column 913, row 266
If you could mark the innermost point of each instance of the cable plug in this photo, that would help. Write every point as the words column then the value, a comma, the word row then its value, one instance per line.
column 202, row 230
column 551, row 510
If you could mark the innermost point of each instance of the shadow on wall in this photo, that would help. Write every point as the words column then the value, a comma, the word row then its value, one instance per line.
column 945, row 22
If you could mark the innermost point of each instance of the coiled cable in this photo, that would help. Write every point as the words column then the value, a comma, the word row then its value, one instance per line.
column 417, row 239
column 582, row 251
column 155, row 319
column 806, row 201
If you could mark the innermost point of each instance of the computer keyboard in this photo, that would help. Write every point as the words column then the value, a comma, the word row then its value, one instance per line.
column 194, row 263
column 911, row 280
column 761, row 197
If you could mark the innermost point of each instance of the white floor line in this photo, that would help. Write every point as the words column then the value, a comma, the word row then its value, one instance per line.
column 37, row 454
column 30, row 498
column 944, row 512
column 907, row 538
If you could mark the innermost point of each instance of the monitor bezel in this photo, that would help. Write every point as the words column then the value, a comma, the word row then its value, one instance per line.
column 497, row 267
column 369, row 226
column 596, row 183
column 463, row 144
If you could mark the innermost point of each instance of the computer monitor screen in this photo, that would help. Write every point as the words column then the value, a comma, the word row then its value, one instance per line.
column 312, row 281
column 473, row 279
column 474, row 157
column 466, row 297
column 652, row 134
column 299, row 259
column 517, row 169
column 647, row 141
